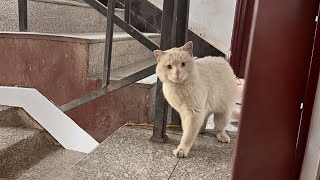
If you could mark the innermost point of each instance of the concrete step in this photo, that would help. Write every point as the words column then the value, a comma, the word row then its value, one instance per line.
column 28, row 153
column 20, row 148
column 126, row 50
column 16, row 117
column 128, row 154
column 148, row 83
column 52, row 166
column 64, row 61
column 2, row 108
column 80, row 1
column 9, row 117
column 124, row 71
column 55, row 16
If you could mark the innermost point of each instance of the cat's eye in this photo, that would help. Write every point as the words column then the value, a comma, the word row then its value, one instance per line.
column 168, row 66
column 183, row 64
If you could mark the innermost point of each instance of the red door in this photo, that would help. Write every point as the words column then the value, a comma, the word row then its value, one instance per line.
column 279, row 56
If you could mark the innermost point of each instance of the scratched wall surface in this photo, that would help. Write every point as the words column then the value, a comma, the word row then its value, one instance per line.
column 212, row 20
column 57, row 67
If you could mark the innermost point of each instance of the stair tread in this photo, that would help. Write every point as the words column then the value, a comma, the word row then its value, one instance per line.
column 127, row 70
column 3, row 108
column 101, row 36
column 20, row 148
column 27, row 153
column 12, row 135
column 64, row 2
column 78, row 3
column 95, row 37
column 53, row 165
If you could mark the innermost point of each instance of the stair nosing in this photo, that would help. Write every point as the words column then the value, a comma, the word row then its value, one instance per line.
column 70, row 3
column 69, row 37
column 5, row 108
column 115, row 77
column 63, row 2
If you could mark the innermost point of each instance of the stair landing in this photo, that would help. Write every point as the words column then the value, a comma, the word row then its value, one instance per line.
column 128, row 154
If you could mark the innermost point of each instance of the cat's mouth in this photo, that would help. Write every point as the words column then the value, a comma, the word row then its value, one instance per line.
column 177, row 79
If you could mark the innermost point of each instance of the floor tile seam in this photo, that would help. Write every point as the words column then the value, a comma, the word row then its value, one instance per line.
column 174, row 168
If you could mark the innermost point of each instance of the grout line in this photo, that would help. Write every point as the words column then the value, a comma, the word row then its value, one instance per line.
column 174, row 168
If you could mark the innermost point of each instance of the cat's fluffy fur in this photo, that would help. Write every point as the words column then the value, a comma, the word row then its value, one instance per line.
column 197, row 89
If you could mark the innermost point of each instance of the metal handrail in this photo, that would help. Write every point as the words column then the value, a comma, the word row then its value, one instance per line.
column 111, row 20
column 169, row 18
column 110, row 88
column 135, row 33
column 106, row 87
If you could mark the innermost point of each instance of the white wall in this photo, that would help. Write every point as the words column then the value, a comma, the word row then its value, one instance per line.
column 312, row 154
column 212, row 20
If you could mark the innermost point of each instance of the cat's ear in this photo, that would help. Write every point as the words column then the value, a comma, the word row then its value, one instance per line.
column 158, row 54
column 188, row 47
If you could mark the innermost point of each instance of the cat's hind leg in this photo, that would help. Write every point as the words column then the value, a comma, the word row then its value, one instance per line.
column 191, row 124
column 221, row 121
column 204, row 125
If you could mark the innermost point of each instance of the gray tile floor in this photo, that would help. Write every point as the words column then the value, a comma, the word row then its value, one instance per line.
column 128, row 154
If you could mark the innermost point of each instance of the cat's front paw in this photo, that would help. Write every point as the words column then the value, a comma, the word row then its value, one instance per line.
column 223, row 137
column 179, row 152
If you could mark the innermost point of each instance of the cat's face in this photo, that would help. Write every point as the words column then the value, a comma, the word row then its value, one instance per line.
column 175, row 64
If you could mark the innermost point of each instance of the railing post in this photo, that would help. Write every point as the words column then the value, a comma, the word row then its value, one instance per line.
column 108, row 43
column 127, row 8
column 23, row 15
column 182, row 22
column 181, row 37
column 161, row 109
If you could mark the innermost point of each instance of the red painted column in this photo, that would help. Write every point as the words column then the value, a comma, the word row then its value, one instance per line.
column 276, row 79
column 308, row 103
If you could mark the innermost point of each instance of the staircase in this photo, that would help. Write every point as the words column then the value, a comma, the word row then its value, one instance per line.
column 62, row 56
column 75, row 29
column 29, row 152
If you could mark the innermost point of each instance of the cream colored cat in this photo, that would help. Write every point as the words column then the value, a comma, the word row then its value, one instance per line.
column 196, row 89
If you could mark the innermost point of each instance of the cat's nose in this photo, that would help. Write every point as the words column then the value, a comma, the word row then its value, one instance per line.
column 178, row 73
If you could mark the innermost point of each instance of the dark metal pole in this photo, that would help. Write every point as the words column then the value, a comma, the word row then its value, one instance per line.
column 182, row 22
column 174, row 24
column 23, row 15
column 127, row 8
column 161, row 109
column 108, row 43
column 181, row 37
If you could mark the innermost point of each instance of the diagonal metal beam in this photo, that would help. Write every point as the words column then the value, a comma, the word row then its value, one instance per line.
column 135, row 33
column 110, row 88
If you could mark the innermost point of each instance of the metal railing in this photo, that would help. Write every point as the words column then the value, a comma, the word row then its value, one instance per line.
column 174, row 30
column 174, row 19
